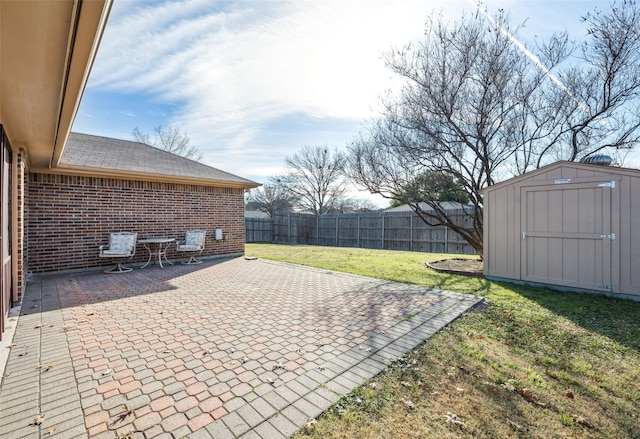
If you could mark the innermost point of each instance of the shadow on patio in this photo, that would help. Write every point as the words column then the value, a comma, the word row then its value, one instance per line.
column 217, row 348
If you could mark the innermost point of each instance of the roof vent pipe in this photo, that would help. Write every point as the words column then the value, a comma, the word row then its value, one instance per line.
column 598, row 159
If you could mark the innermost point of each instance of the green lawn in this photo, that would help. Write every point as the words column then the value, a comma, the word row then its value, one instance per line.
column 533, row 363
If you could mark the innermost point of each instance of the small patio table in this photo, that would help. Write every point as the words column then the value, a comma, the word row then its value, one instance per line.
column 157, row 247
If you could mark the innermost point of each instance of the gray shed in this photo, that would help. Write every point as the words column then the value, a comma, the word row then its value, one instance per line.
column 569, row 225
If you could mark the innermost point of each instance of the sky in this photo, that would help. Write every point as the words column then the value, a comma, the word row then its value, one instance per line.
column 253, row 81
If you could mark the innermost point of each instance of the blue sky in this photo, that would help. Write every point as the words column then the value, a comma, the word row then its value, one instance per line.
column 253, row 81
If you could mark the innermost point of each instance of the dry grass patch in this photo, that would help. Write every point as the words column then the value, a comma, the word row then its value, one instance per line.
column 534, row 363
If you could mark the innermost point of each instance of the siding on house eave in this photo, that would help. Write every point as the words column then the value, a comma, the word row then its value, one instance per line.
column 109, row 173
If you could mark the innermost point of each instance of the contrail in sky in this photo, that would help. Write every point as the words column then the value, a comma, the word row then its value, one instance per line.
column 531, row 56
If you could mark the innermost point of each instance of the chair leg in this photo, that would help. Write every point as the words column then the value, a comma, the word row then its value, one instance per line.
column 192, row 261
column 119, row 268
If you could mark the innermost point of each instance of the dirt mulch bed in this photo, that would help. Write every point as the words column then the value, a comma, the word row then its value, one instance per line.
column 466, row 267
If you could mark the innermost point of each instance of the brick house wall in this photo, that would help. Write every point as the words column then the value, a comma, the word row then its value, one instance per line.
column 69, row 217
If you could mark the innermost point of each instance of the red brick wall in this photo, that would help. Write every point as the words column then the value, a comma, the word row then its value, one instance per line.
column 69, row 217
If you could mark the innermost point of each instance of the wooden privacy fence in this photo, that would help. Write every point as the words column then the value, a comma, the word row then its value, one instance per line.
column 258, row 229
column 378, row 230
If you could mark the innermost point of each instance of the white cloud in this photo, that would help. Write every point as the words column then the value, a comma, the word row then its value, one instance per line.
column 233, row 70
column 234, row 67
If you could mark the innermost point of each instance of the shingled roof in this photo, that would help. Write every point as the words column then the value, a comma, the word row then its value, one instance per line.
column 87, row 153
column 445, row 205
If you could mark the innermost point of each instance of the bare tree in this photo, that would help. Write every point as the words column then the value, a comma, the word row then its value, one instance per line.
column 172, row 140
column 476, row 108
column 315, row 176
column 602, row 108
column 272, row 197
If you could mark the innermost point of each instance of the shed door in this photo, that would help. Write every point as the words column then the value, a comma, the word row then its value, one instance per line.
column 567, row 235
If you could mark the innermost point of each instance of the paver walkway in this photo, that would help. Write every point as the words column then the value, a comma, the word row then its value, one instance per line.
column 229, row 348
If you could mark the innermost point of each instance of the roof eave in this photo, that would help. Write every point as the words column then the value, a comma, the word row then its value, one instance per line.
column 143, row 176
column 48, row 48
column 91, row 21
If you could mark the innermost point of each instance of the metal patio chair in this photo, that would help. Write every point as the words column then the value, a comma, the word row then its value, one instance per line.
column 194, row 243
column 122, row 247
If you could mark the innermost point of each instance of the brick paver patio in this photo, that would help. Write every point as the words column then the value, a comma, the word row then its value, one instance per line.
column 229, row 348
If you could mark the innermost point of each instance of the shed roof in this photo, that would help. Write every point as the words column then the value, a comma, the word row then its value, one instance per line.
column 89, row 154
column 596, row 169
column 256, row 214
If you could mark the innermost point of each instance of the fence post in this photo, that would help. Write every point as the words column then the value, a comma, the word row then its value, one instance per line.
column 288, row 228
column 411, row 232
column 383, row 231
column 446, row 239
column 337, row 219
column 272, row 230
column 317, row 229
column 358, row 230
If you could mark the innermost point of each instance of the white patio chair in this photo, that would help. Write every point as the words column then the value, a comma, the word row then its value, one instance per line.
column 122, row 247
column 194, row 243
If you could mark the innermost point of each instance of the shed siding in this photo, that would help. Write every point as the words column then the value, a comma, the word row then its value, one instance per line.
column 566, row 209
column 500, row 254
column 630, row 223
column 71, row 216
